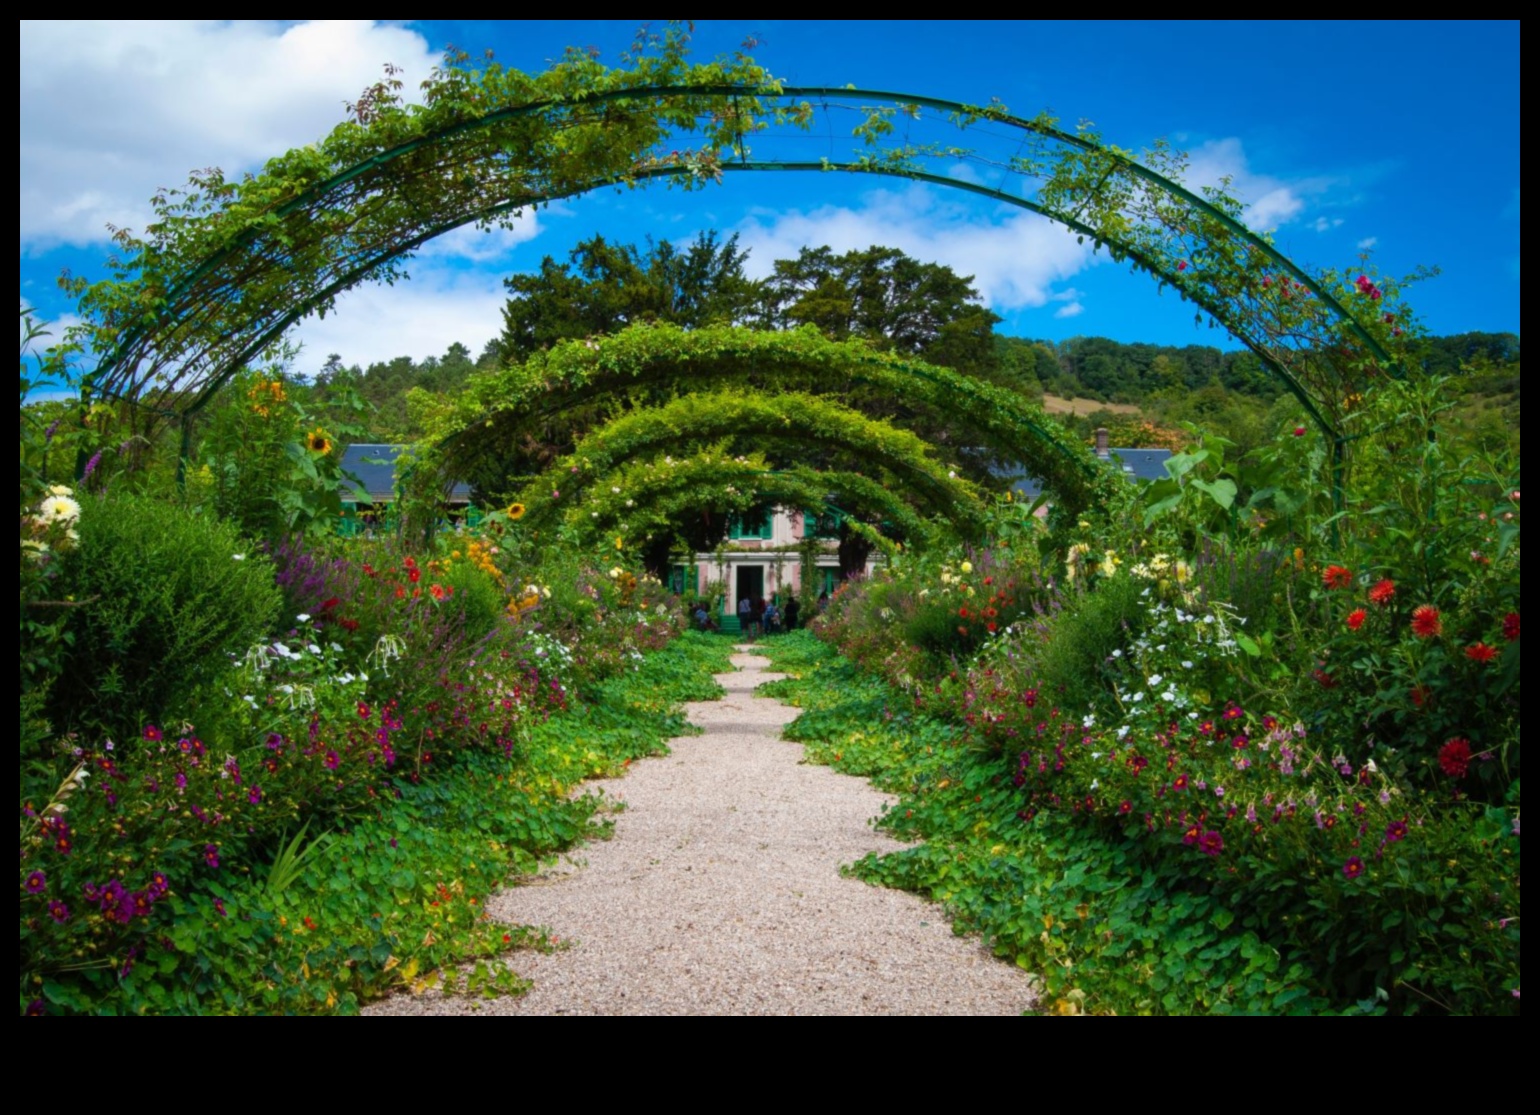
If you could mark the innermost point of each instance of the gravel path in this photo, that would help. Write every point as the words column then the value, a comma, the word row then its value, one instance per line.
column 720, row 894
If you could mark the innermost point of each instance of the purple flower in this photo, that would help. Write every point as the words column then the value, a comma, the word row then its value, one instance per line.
column 332, row 761
column 219, row 908
column 255, row 797
column 211, row 855
column 181, row 781
column 59, row 912
column 1251, row 814
column 1396, row 832
column 152, row 734
column 275, row 742
column 92, row 465
column 110, row 896
column 1353, row 868
column 1212, row 844
column 37, row 883
column 36, row 1009
column 159, row 887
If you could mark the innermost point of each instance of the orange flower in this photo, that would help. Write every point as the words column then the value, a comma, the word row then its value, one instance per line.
column 1427, row 623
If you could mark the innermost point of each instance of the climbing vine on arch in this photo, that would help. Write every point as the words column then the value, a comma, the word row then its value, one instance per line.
column 794, row 420
column 500, row 406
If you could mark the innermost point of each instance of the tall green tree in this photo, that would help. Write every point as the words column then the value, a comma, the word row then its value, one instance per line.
column 890, row 299
column 604, row 287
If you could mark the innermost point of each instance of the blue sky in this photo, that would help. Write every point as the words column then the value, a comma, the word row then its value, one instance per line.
column 1397, row 137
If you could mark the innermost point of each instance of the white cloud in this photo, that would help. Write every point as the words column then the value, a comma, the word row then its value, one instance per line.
column 112, row 111
column 1325, row 224
column 1072, row 309
column 1368, row 243
column 419, row 317
column 1014, row 258
column 473, row 245
column 1270, row 202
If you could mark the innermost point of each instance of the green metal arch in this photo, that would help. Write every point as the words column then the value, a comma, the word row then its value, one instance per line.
column 119, row 374
column 787, row 419
column 496, row 405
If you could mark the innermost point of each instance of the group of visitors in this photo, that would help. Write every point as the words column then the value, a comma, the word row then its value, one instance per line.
column 759, row 616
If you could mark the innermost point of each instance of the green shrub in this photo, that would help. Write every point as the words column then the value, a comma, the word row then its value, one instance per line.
column 477, row 600
column 1071, row 664
column 166, row 598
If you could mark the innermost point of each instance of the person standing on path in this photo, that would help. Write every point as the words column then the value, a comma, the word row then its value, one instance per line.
column 746, row 617
column 792, row 608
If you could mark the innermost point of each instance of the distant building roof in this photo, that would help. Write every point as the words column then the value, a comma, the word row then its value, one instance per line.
column 375, row 468
column 1142, row 465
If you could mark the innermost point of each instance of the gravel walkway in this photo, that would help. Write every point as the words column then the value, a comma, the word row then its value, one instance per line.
column 720, row 894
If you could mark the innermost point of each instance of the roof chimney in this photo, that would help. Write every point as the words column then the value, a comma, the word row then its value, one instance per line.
column 1101, row 443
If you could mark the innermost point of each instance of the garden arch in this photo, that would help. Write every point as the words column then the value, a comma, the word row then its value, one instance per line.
column 792, row 418
column 230, row 266
column 653, row 493
column 496, row 406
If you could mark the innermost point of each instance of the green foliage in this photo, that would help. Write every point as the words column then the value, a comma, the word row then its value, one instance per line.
column 265, row 464
column 260, row 921
column 1103, row 933
column 165, row 599
column 642, row 363
column 605, row 287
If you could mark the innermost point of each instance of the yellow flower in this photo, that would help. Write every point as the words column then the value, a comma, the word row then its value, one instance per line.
column 318, row 442
column 516, row 511
column 967, row 567
column 620, row 543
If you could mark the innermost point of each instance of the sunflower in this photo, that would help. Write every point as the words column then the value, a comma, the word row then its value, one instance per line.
column 318, row 442
column 516, row 511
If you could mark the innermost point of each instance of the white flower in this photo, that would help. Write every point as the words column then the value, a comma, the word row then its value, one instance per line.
column 1089, row 722
column 81, row 775
column 1156, row 680
column 302, row 618
column 1138, row 698
column 59, row 490
column 1186, row 665
column 59, row 509
column 1123, row 733
column 1117, row 654
column 1096, row 784
column 237, row 557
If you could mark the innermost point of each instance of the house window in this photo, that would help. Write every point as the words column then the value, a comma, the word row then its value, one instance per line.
column 824, row 524
column 753, row 526
column 680, row 578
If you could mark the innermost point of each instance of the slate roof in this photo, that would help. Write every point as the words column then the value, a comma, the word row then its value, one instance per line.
column 1142, row 465
column 375, row 468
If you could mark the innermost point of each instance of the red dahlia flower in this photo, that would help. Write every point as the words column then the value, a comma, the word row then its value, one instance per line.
column 1337, row 577
column 1383, row 594
column 1356, row 619
column 1480, row 653
column 1511, row 627
column 1427, row 623
column 1454, row 758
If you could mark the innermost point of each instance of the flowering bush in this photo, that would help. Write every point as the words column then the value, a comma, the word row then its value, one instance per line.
column 162, row 596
